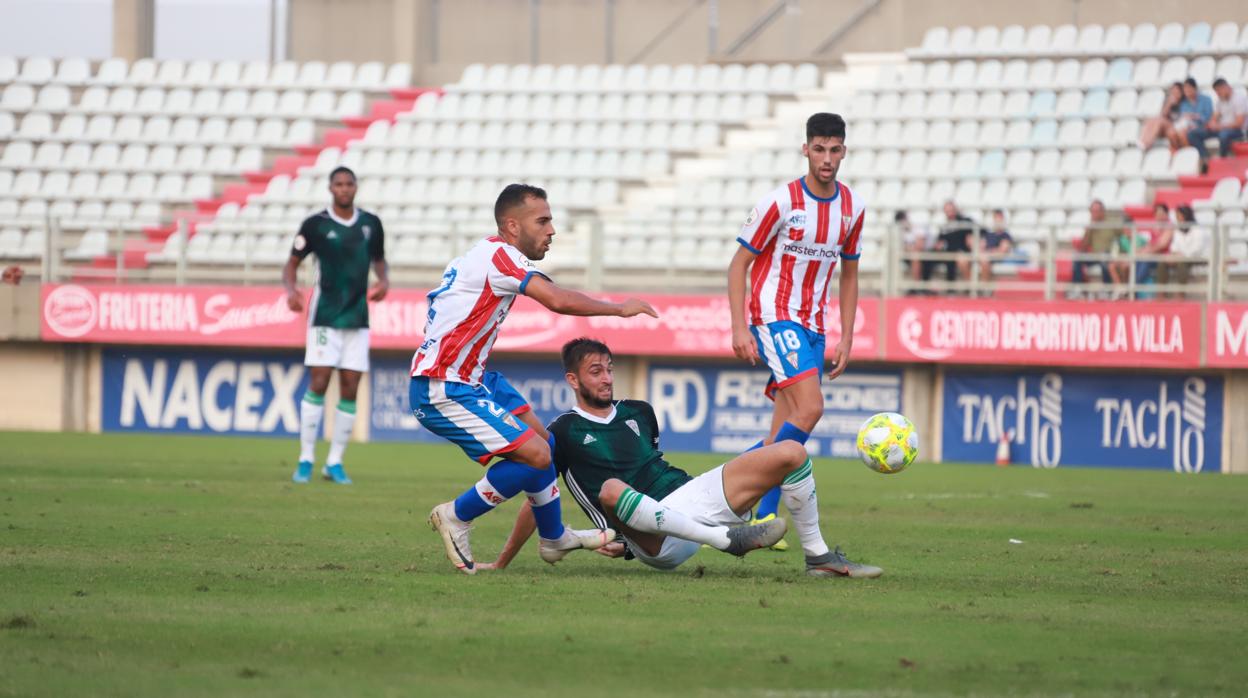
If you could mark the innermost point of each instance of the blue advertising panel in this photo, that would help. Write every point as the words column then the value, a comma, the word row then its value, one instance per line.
column 392, row 419
column 1062, row 418
column 202, row 392
column 723, row 410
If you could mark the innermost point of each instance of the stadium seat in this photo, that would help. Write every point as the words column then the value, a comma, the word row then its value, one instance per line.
column 987, row 40
column 36, row 126
column 72, row 71
column 1064, row 40
column 9, row 69
column 17, row 98
column 935, row 41
column 142, row 72
column 37, row 71
column 1169, row 39
column 1117, row 40
column 199, row 74
column 1039, row 39
column 1197, row 38
column 961, row 40
column 1225, row 37
column 1143, row 38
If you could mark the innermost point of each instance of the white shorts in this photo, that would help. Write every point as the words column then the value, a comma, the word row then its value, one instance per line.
column 330, row 346
column 701, row 499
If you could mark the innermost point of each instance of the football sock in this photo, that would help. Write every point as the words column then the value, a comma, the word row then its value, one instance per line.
column 504, row 480
column 344, row 421
column 803, row 505
column 644, row 514
column 770, row 503
column 543, row 496
column 311, row 411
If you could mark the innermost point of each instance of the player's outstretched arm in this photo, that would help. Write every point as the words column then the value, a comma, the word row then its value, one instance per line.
column 520, row 533
column 294, row 299
column 742, row 341
column 849, row 314
column 567, row 302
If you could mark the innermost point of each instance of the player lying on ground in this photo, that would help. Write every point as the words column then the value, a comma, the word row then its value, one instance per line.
column 608, row 453
column 790, row 245
column 453, row 396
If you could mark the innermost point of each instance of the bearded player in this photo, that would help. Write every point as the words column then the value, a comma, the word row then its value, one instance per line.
column 454, row 396
column 608, row 453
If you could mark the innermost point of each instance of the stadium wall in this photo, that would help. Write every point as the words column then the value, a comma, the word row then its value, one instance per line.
column 439, row 43
column 225, row 360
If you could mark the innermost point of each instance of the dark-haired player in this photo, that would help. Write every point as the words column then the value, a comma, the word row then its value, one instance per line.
column 478, row 410
column 790, row 244
column 608, row 453
column 346, row 241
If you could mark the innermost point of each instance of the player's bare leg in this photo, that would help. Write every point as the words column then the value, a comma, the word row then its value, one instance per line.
column 639, row 512
column 344, row 423
column 311, row 415
column 786, row 463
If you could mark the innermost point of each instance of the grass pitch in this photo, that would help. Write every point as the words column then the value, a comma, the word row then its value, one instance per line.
column 155, row 565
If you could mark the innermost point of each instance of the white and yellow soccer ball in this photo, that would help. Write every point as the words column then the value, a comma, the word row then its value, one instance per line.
column 887, row 442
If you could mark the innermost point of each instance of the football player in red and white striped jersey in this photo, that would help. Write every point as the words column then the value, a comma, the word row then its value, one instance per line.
column 454, row 396
column 791, row 243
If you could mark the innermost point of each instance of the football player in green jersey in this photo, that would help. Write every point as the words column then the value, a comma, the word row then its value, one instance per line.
column 347, row 241
column 608, row 453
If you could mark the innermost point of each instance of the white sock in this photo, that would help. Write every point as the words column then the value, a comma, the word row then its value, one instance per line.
column 311, row 412
column 798, row 494
column 344, row 421
column 642, row 513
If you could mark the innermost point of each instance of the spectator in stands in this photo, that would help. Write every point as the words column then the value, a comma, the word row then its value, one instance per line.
column 12, row 275
column 1099, row 238
column 1195, row 109
column 1226, row 124
column 955, row 236
column 915, row 240
column 1159, row 235
column 996, row 244
column 1163, row 123
column 1189, row 246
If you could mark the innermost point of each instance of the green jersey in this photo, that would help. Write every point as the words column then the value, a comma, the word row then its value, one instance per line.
column 344, row 251
column 590, row 450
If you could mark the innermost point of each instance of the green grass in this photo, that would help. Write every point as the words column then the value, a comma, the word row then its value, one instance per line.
column 152, row 565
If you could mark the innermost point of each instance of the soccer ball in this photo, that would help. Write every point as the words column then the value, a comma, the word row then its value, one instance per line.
column 887, row 442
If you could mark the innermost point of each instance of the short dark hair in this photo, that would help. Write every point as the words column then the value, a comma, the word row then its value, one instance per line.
column 341, row 169
column 1191, row 81
column 575, row 351
column 513, row 195
column 1220, row 82
column 1186, row 214
column 1162, row 206
column 998, row 212
column 825, row 125
column 900, row 216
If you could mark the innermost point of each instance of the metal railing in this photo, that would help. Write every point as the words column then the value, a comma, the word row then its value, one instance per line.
column 1041, row 266
column 1125, row 272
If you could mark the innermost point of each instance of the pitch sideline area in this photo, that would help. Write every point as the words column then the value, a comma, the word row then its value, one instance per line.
column 158, row 565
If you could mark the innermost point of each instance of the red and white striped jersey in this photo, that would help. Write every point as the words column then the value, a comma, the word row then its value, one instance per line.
column 798, row 238
column 466, row 311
